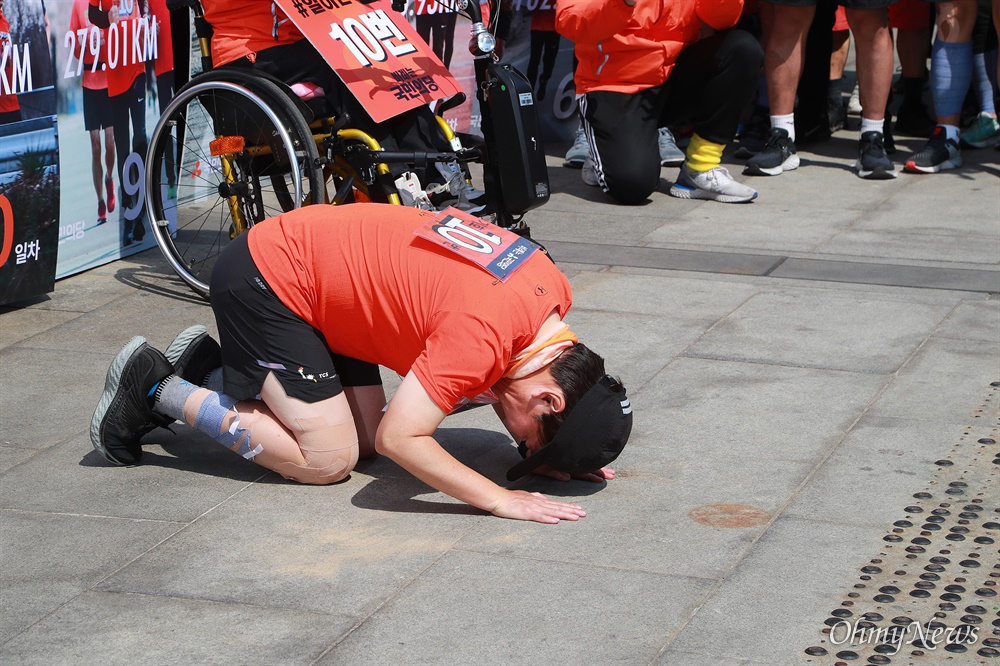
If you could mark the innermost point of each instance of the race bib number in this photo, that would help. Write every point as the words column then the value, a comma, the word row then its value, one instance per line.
column 497, row 251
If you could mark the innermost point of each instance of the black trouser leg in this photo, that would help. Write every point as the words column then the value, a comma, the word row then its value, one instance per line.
column 621, row 129
column 713, row 83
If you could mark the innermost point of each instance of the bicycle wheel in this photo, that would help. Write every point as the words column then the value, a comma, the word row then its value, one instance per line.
column 223, row 157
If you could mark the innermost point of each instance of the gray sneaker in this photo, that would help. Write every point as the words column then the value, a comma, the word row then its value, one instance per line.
column 194, row 354
column 713, row 185
column 670, row 154
column 578, row 152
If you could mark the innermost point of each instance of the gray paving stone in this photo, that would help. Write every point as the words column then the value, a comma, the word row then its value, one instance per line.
column 590, row 222
column 927, row 277
column 773, row 605
column 108, row 328
column 943, row 382
column 46, row 397
column 685, row 260
column 48, row 559
column 705, row 432
column 497, row 610
column 334, row 549
column 678, row 658
column 11, row 456
column 133, row 630
column 180, row 482
column 972, row 320
column 887, row 458
column 663, row 294
column 21, row 324
column 950, row 228
column 856, row 334
column 647, row 506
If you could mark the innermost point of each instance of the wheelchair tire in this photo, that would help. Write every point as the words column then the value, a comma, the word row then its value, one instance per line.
column 265, row 162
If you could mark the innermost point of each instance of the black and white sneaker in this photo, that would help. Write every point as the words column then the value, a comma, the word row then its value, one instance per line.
column 124, row 413
column 194, row 354
column 873, row 163
column 778, row 155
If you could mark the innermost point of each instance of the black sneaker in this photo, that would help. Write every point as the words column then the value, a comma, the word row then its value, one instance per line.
column 194, row 354
column 778, row 155
column 873, row 163
column 124, row 413
column 754, row 134
column 940, row 153
column 837, row 114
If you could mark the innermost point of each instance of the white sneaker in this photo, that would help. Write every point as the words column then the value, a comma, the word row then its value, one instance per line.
column 589, row 172
column 470, row 198
column 410, row 192
column 713, row 185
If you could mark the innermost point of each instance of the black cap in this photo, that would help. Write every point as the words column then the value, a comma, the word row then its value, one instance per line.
column 594, row 433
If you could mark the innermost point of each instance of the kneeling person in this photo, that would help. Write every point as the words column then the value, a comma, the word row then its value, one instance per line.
column 309, row 303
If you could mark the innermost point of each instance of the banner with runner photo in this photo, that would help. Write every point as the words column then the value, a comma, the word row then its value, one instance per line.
column 29, row 158
column 376, row 53
column 114, row 74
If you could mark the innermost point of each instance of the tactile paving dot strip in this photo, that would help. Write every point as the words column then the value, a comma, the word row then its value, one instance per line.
column 932, row 595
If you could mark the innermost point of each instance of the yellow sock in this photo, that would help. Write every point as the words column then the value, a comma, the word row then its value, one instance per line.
column 703, row 155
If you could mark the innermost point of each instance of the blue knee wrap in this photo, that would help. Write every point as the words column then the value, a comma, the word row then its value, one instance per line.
column 951, row 74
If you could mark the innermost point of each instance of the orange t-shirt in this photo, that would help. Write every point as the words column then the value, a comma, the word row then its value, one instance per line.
column 380, row 294
column 123, row 63
column 243, row 27
column 94, row 78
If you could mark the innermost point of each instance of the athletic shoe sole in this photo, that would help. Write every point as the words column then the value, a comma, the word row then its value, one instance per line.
column 183, row 341
column 672, row 162
column 790, row 164
column 111, row 386
column 878, row 173
column 574, row 164
column 682, row 192
column 913, row 167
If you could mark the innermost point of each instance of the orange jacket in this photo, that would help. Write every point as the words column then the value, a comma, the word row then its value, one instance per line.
column 628, row 49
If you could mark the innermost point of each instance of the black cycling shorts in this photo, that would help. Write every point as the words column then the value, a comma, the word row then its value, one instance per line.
column 260, row 335
column 97, row 109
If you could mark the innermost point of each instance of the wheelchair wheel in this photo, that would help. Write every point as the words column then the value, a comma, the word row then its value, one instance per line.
column 222, row 158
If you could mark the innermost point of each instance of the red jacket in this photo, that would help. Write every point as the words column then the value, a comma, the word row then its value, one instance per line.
column 628, row 49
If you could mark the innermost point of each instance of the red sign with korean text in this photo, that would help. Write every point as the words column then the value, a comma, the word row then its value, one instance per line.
column 376, row 53
column 497, row 251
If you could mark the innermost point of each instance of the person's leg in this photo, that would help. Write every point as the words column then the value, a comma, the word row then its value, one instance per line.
column 784, row 39
column 448, row 22
column 550, row 51
column 97, row 173
column 137, row 113
column 621, row 131
column 812, row 123
column 784, row 29
column 120, row 111
column 950, row 75
column 984, row 131
column 873, row 43
column 535, row 55
column 713, row 82
column 109, row 164
column 912, row 21
column 165, row 93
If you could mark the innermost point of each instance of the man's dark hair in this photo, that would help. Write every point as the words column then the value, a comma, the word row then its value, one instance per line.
column 575, row 371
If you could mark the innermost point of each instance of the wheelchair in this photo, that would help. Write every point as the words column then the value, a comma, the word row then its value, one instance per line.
column 236, row 146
